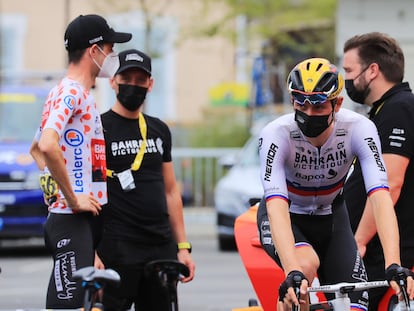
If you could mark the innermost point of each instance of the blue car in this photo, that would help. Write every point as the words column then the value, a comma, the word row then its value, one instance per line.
column 22, row 209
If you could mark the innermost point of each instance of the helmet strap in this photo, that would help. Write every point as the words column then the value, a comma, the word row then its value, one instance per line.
column 333, row 103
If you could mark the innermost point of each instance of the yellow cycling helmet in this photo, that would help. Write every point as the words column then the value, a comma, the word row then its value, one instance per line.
column 315, row 80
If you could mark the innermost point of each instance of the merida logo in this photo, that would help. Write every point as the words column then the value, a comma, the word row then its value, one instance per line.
column 269, row 161
column 371, row 144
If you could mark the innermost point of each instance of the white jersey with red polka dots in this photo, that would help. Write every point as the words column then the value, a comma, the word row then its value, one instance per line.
column 71, row 111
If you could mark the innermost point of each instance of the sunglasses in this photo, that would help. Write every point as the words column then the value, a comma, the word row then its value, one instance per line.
column 313, row 98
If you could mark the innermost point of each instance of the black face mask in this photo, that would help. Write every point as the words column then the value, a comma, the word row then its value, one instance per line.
column 131, row 96
column 312, row 126
column 354, row 94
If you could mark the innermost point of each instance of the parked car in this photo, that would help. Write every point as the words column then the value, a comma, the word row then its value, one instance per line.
column 22, row 210
column 234, row 191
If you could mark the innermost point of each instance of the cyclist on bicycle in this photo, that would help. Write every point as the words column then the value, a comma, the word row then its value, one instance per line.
column 305, row 157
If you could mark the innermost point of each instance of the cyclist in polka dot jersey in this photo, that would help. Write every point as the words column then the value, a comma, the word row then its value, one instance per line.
column 72, row 113
column 70, row 147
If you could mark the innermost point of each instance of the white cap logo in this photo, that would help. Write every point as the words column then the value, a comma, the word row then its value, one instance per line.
column 134, row 56
column 97, row 39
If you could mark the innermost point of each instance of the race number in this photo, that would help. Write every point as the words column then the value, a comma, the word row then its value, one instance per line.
column 48, row 185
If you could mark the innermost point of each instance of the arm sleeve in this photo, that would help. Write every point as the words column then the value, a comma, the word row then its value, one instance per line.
column 366, row 146
column 67, row 104
column 396, row 130
column 37, row 134
column 272, row 150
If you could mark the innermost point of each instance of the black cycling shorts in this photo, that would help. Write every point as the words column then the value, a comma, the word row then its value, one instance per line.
column 69, row 238
column 331, row 238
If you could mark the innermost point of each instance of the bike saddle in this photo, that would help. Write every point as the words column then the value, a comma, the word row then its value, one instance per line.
column 91, row 274
column 172, row 269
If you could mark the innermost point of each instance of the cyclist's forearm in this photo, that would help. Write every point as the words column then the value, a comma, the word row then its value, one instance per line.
column 52, row 154
column 366, row 228
column 387, row 226
column 282, row 235
column 37, row 155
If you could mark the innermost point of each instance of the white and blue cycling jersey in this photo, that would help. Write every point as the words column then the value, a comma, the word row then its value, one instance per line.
column 311, row 177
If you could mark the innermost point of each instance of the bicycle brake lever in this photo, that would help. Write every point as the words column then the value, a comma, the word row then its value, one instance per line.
column 406, row 299
column 297, row 281
column 403, row 289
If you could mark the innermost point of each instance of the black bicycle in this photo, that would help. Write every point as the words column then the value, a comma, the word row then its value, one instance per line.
column 169, row 272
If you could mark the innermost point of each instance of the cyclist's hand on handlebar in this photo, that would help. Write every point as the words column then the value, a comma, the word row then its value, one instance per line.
column 401, row 280
column 293, row 288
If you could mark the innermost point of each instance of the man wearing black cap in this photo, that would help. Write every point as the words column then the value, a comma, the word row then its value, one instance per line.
column 144, row 217
column 69, row 147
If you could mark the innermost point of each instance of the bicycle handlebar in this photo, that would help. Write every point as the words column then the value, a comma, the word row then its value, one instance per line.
column 345, row 287
column 342, row 289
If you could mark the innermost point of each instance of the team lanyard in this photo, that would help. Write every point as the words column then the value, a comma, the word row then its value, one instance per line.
column 379, row 108
column 372, row 113
column 140, row 155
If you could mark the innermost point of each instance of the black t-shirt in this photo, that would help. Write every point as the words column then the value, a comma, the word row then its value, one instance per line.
column 140, row 214
column 393, row 115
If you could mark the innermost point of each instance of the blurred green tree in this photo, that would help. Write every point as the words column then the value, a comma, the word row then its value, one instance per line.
column 291, row 28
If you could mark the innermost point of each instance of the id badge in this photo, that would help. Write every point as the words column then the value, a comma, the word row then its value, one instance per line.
column 126, row 180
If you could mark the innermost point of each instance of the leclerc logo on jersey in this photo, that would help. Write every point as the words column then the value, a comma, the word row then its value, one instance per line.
column 73, row 137
column 69, row 101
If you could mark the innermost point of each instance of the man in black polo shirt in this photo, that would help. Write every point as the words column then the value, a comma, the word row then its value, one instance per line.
column 374, row 71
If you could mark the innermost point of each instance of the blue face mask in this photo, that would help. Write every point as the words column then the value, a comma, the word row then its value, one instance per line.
column 311, row 126
column 131, row 96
